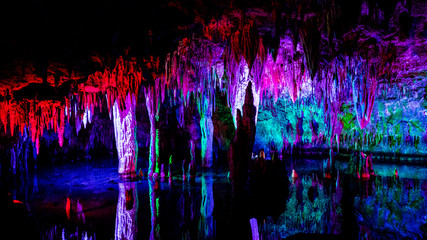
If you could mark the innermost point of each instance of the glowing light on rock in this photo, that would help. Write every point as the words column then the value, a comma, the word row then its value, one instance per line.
column 364, row 90
column 157, row 150
column 237, row 90
column 149, row 100
column 61, row 127
column 125, row 133
column 254, row 228
column 207, row 128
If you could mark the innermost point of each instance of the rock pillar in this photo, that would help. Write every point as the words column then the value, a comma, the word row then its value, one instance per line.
column 125, row 134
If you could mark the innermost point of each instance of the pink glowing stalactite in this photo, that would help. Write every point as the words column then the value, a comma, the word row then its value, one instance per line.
column 61, row 127
column 116, row 83
column 286, row 73
column 4, row 106
column 127, row 209
column 125, row 134
column 34, row 114
column 120, row 85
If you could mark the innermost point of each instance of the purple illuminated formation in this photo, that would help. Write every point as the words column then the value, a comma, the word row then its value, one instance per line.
column 125, row 133
column 150, row 103
column 298, row 117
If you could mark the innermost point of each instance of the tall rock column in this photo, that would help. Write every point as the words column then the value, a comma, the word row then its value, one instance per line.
column 125, row 134
column 151, row 108
column 207, row 131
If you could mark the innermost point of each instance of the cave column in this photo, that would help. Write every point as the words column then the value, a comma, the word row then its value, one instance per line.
column 207, row 131
column 150, row 103
column 125, row 134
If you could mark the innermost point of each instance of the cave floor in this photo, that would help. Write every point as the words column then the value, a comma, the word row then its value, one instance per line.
column 82, row 199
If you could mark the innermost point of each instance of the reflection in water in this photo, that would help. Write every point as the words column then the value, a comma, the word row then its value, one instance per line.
column 79, row 212
column 370, row 209
column 187, row 211
column 153, row 186
column 397, row 205
column 127, row 208
column 309, row 209
column 206, row 222
column 378, row 208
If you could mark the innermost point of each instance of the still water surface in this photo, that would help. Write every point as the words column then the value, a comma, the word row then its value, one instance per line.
column 87, row 200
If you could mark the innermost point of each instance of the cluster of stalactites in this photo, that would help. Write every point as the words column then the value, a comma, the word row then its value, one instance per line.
column 114, row 84
column 38, row 116
column 202, row 67
column 34, row 115
column 228, row 61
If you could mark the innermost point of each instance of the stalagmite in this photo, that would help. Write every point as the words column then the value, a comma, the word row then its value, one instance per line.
column 254, row 228
column 125, row 134
column 127, row 209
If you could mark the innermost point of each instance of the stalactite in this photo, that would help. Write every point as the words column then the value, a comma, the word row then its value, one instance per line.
column 303, row 64
column 364, row 91
column 237, row 89
column 180, row 114
column 61, row 126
